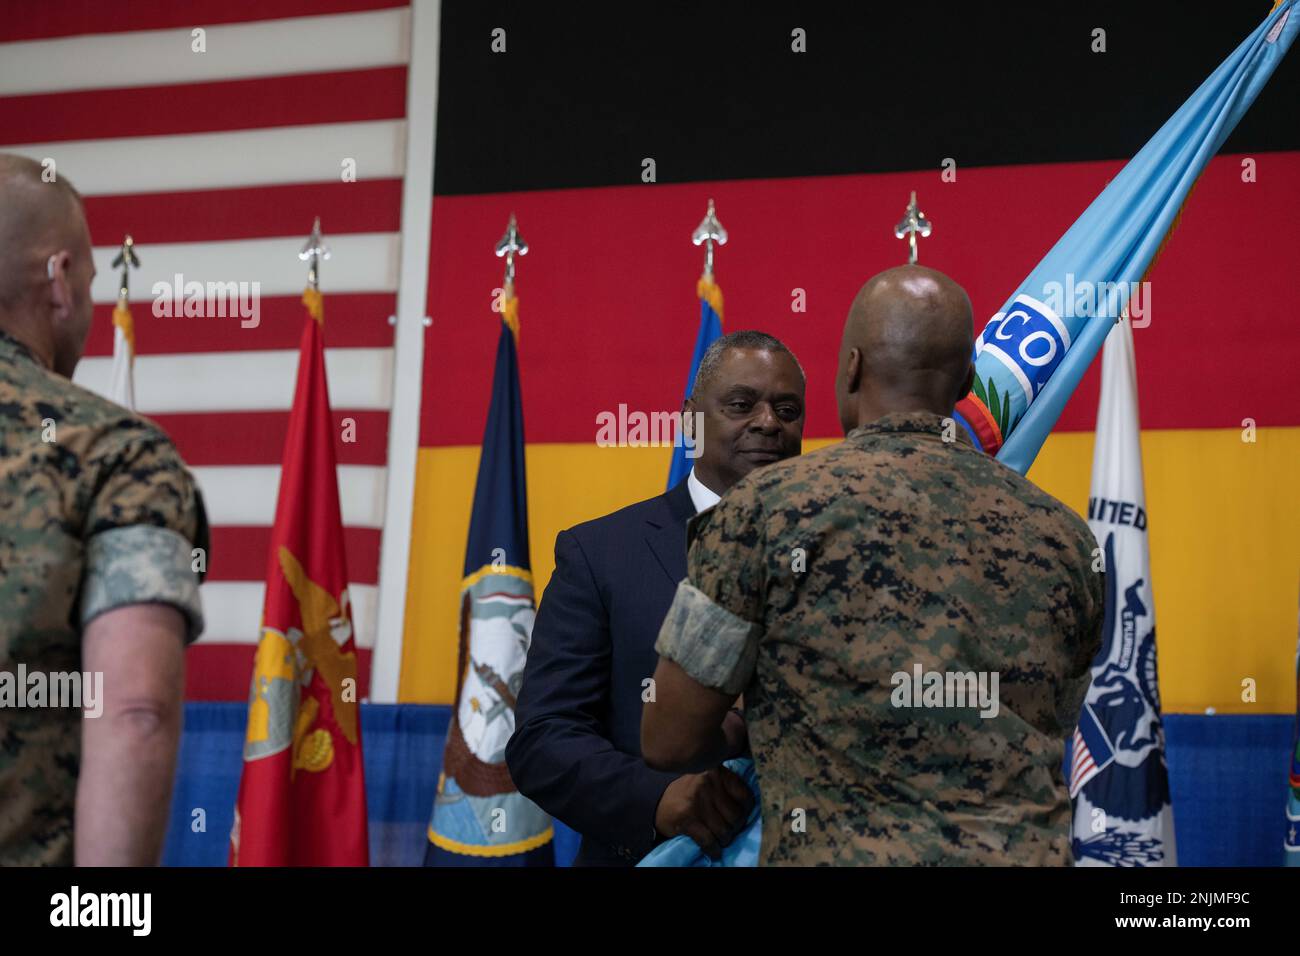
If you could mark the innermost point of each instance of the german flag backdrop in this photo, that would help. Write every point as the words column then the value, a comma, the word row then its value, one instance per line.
column 810, row 157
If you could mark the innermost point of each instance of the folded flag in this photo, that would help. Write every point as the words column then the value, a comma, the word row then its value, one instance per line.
column 742, row 851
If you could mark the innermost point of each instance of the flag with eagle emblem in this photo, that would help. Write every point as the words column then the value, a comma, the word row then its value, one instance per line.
column 302, row 796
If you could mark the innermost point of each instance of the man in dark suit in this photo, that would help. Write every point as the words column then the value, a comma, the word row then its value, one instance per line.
column 576, row 749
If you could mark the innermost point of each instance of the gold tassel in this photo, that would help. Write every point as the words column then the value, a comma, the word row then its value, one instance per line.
column 315, row 303
column 710, row 292
column 122, row 319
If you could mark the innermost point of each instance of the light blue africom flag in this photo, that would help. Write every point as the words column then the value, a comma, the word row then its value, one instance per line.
column 1032, row 354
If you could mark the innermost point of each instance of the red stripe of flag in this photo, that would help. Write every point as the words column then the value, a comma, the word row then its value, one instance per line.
column 356, row 320
column 41, row 21
column 253, row 212
column 257, row 438
column 341, row 97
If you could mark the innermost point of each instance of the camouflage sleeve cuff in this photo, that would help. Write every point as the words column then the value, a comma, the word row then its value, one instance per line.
column 714, row 646
column 141, row 564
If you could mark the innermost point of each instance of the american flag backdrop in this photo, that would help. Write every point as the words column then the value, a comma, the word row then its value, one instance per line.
column 214, row 134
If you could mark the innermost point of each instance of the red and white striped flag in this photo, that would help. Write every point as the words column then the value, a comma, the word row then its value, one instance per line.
column 214, row 144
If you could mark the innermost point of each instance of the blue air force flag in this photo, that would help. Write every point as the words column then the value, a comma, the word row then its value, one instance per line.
column 710, row 295
column 1115, row 762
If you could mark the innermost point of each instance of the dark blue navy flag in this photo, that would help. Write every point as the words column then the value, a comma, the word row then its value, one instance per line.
column 479, row 818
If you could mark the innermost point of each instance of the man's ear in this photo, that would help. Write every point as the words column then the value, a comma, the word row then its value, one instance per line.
column 688, row 417
column 853, row 371
column 56, row 270
column 968, row 383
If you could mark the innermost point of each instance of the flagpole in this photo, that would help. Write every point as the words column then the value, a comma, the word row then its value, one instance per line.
column 510, row 245
column 314, row 251
column 127, row 260
column 707, row 233
column 910, row 226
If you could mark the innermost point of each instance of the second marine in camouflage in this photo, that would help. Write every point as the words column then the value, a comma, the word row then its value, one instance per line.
column 99, row 519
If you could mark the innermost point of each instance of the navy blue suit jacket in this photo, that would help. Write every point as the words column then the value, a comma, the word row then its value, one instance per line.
column 576, row 749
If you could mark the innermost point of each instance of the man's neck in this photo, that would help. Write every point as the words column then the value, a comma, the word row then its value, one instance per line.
column 24, row 334
column 874, row 411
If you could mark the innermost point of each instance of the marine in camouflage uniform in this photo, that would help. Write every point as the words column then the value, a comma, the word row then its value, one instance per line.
column 818, row 579
column 97, row 512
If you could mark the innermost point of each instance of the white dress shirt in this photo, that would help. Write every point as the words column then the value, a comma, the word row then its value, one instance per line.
column 701, row 496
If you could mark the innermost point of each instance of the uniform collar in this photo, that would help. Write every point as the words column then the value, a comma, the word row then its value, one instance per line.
column 11, row 348
column 926, row 423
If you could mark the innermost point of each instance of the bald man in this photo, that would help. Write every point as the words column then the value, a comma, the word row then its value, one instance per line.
column 911, row 622
column 99, row 522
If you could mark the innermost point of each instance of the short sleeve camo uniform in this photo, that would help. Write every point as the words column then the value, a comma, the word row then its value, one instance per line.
column 97, row 511
column 815, row 580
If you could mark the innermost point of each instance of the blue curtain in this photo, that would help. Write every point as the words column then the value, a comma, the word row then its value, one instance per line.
column 1227, row 774
column 1228, row 784
column 403, row 752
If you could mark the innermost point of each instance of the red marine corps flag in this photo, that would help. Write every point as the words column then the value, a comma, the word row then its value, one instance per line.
column 302, row 797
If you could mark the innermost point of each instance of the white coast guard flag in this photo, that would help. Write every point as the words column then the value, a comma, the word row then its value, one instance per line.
column 1116, row 760
column 122, row 383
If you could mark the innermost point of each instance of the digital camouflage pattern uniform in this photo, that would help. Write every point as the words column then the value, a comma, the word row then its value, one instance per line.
column 917, row 550
column 97, row 511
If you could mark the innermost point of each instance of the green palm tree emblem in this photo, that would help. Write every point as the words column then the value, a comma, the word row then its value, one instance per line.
column 999, row 405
